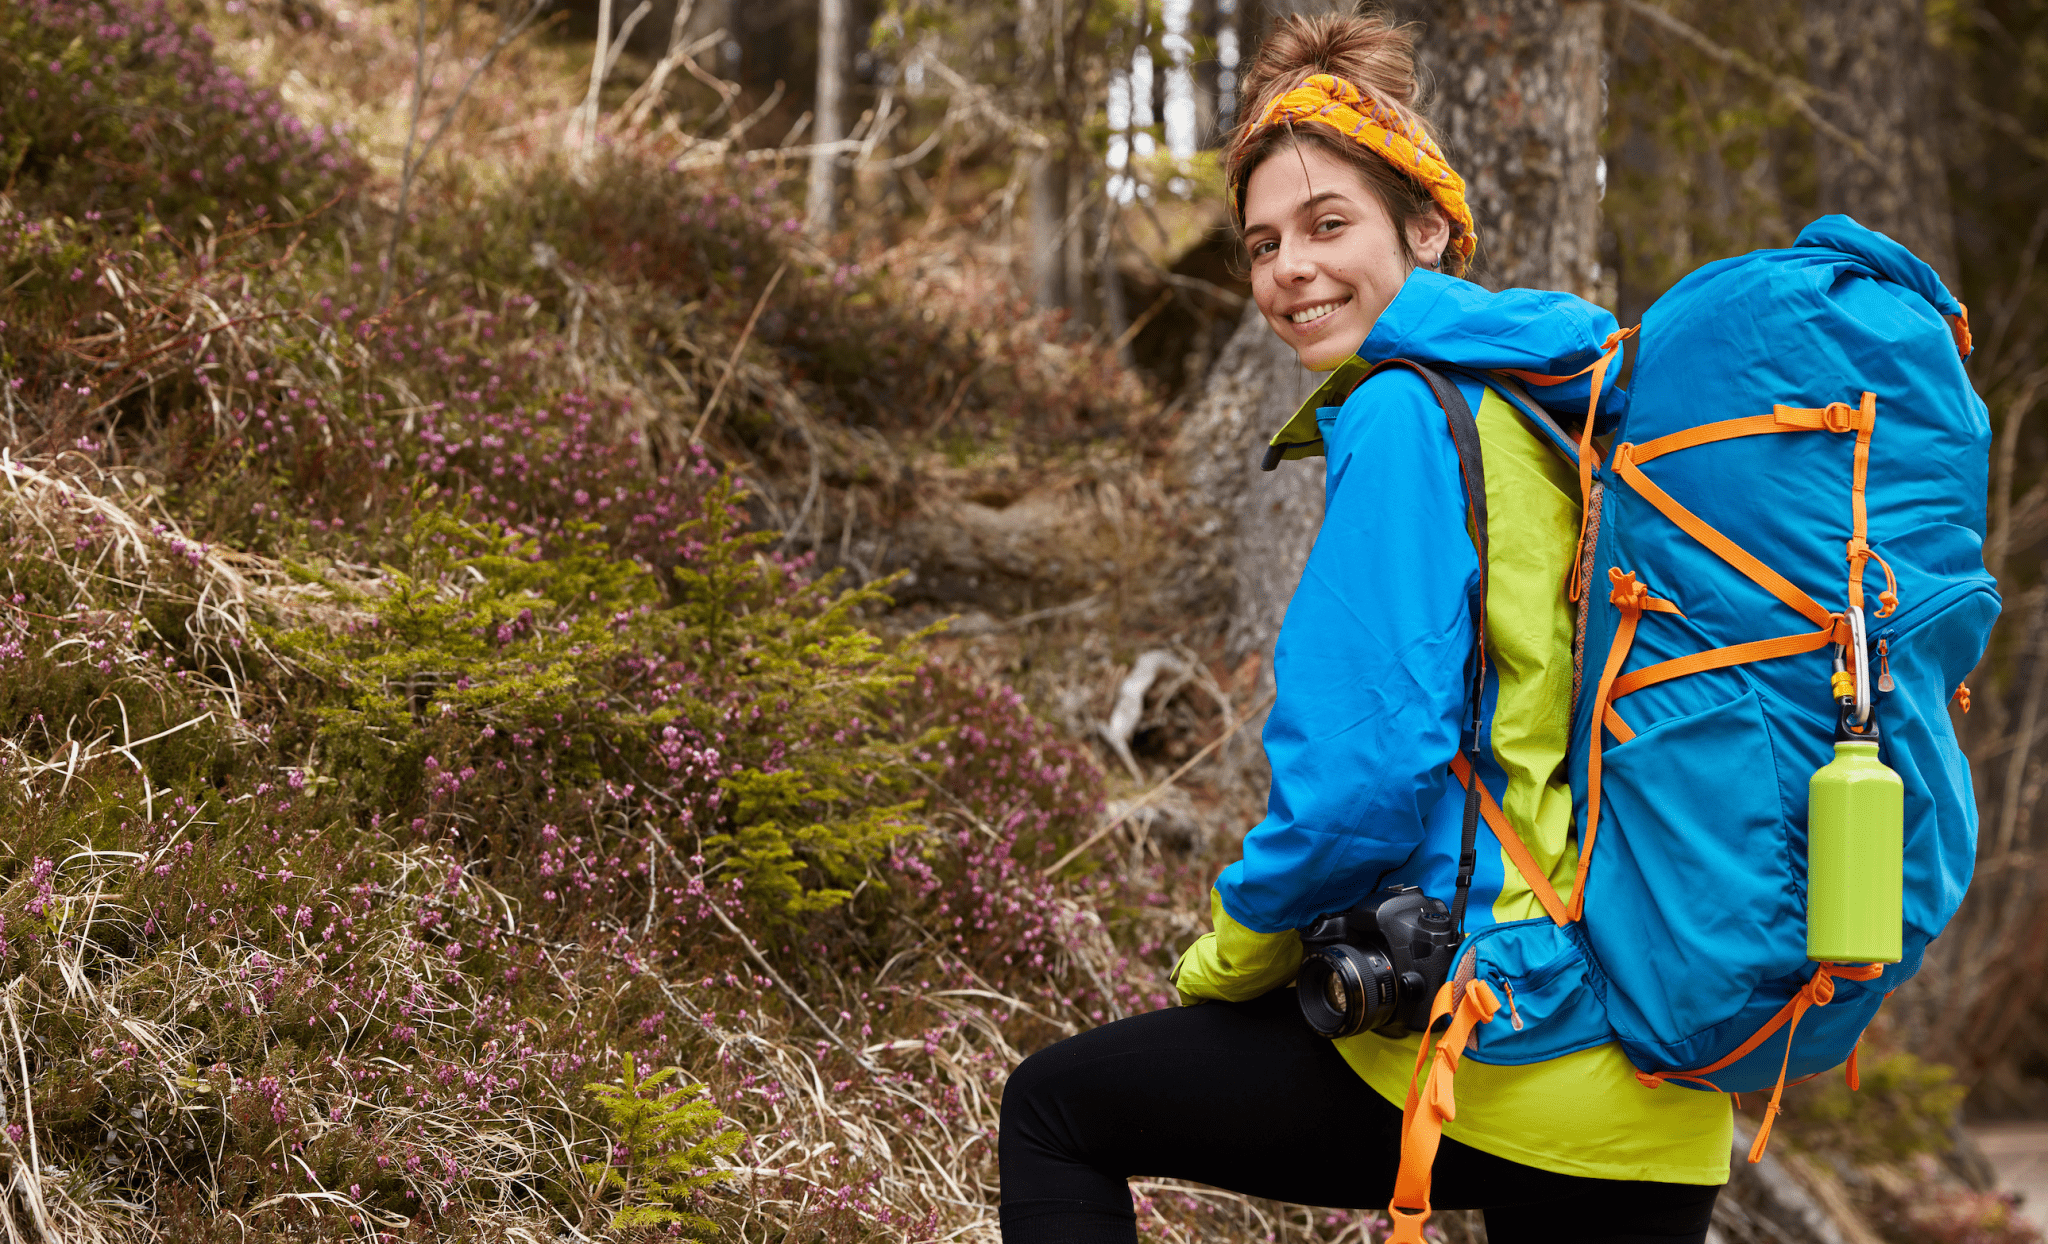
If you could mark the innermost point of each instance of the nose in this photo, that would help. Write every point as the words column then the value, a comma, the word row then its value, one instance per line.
column 1293, row 266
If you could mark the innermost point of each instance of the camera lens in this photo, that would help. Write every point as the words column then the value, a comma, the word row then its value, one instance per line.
column 1345, row 989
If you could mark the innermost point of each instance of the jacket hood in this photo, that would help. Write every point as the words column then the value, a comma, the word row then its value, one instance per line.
column 1448, row 323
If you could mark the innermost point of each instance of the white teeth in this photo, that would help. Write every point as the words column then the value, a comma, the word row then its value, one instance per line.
column 1317, row 312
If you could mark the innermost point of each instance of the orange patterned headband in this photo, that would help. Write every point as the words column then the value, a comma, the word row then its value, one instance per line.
column 1329, row 100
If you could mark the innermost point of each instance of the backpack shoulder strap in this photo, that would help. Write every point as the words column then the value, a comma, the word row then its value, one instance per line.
column 1464, row 431
column 1548, row 429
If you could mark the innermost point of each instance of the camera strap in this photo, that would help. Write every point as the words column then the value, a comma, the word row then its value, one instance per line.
column 1465, row 436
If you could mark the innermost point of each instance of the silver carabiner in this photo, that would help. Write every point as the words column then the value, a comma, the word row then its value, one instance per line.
column 1862, row 646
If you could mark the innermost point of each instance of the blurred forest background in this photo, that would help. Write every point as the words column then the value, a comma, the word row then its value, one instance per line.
column 614, row 606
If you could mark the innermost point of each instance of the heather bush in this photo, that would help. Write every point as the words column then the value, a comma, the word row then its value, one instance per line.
column 117, row 105
column 865, row 345
column 405, row 724
column 1952, row 1216
column 732, row 714
column 1903, row 1108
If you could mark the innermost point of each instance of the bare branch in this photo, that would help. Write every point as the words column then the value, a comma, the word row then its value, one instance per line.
column 1794, row 92
column 514, row 27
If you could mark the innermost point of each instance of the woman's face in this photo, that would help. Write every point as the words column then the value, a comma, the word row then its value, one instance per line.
column 1326, row 259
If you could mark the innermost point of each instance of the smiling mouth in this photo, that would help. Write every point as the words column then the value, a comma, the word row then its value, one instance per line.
column 1309, row 315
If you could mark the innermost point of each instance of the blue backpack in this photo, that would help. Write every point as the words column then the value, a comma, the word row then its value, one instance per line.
column 1799, row 478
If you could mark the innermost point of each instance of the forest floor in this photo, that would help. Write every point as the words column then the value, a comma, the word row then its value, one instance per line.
column 2019, row 1153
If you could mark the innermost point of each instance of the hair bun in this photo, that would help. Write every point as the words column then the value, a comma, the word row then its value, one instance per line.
column 1369, row 52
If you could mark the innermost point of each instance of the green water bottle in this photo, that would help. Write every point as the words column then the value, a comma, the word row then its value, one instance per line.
column 1855, row 857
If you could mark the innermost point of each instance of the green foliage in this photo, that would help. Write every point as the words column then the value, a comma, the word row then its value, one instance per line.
column 1904, row 1107
column 743, row 699
column 662, row 1151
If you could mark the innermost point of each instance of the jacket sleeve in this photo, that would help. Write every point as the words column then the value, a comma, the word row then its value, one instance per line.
column 1233, row 963
column 1371, row 663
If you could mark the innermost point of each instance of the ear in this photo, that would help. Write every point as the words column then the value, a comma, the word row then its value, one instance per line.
column 1428, row 235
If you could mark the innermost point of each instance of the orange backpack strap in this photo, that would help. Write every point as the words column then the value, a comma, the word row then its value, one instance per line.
column 1469, row 1004
column 1511, row 842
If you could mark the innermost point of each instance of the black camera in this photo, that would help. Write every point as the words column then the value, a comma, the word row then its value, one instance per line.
column 1377, row 966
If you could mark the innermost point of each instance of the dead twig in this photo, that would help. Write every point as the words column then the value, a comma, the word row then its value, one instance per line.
column 697, row 433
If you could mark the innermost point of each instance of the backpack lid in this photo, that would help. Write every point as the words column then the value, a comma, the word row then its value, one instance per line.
column 1885, row 257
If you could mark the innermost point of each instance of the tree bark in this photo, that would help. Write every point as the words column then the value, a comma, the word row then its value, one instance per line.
column 1873, row 55
column 828, row 116
column 1517, row 109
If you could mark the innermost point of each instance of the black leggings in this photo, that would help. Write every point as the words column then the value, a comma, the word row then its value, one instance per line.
column 1245, row 1097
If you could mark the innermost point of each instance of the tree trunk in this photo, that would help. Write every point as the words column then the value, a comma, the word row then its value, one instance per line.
column 1518, row 112
column 828, row 116
column 1873, row 55
column 1260, row 523
column 1048, row 214
column 1205, row 29
column 1079, row 242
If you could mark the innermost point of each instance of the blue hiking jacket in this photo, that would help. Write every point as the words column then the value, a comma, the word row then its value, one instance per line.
column 1372, row 659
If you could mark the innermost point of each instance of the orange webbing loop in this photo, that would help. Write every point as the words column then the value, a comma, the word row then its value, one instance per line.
column 1633, row 599
column 1423, row 1118
column 1727, row 550
column 1959, row 328
column 1819, row 991
column 1859, row 515
column 1608, row 349
column 1620, row 729
column 1849, row 1072
column 1511, row 842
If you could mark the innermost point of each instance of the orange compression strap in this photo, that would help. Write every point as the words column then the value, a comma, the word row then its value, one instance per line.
column 1727, row 550
column 1511, row 842
column 1422, row 1120
column 1819, row 991
column 1837, row 417
column 1633, row 599
column 1722, row 658
column 1608, row 349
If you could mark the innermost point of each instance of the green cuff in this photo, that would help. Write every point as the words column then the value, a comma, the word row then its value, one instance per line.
column 1234, row 963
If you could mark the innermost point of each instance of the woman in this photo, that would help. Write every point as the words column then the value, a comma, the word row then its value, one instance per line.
column 1356, row 229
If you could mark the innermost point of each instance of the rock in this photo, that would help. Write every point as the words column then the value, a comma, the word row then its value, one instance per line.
column 1783, row 1200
